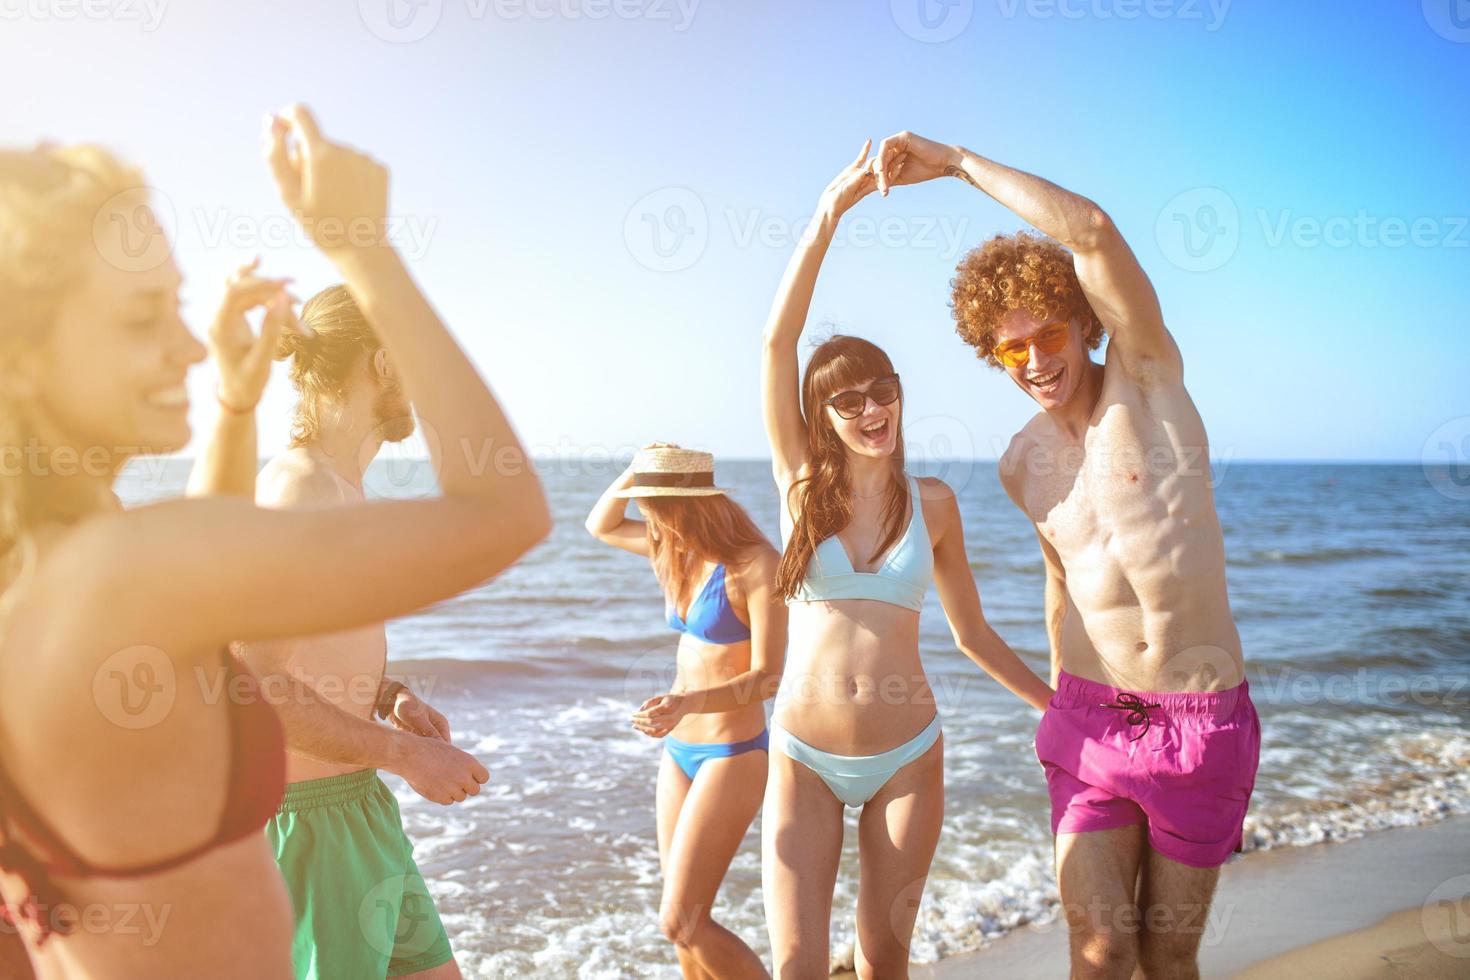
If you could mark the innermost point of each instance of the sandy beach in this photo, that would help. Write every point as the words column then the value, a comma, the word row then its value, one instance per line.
column 1365, row 908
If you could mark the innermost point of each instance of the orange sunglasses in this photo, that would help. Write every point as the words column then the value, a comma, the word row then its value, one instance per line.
column 1050, row 339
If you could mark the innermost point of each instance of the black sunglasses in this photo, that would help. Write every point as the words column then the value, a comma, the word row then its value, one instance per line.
column 850, row 404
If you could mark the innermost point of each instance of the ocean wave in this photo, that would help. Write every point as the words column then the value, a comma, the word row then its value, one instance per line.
column 1316, row 556
column 1433, row 785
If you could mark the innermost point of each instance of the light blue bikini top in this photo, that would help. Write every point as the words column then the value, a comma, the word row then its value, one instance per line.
column 902, row 579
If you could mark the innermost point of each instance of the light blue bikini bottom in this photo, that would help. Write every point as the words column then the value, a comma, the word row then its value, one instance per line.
column 854, row 779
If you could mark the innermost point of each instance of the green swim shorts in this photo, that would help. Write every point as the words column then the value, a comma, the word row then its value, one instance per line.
column 362, row 909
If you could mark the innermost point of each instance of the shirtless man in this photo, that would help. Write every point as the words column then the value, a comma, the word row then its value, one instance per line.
column 1151, row 743
column 362, row 908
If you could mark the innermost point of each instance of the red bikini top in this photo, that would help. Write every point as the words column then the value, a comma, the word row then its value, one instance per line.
column 257, row 784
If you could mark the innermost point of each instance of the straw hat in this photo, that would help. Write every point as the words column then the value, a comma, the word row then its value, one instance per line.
column 668, row 471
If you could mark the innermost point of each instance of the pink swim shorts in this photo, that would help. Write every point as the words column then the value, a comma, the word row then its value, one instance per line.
column 1184, row 764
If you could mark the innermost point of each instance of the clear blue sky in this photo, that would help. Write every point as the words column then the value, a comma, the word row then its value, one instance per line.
column 537, row 145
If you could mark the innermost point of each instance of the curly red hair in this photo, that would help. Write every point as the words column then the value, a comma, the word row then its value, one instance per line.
column 1010, row 272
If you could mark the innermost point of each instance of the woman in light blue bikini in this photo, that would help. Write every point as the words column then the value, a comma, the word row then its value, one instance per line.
column 716, row 566
column 855, row 721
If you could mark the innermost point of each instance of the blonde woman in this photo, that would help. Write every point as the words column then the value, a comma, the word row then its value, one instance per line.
column 137, row 763
column 718, row 576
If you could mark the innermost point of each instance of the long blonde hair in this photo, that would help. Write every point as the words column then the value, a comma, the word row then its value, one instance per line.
column 322, row 365
column 50, row 200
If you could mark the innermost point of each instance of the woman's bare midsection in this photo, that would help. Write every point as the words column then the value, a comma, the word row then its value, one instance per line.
column 854, row 683
column 702, row 666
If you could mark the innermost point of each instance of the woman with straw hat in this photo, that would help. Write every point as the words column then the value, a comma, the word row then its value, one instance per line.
column 718, row 574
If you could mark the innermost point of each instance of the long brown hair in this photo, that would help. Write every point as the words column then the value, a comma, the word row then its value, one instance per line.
column 821, row 503
column 686, row 532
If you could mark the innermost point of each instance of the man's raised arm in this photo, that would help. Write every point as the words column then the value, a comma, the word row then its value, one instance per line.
column 1115, row 284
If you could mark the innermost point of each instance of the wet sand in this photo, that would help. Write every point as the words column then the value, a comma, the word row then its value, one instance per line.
column 1388, row 905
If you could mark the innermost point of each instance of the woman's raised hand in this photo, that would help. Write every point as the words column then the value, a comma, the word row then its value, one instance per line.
column 855, row 182
column 339, row 194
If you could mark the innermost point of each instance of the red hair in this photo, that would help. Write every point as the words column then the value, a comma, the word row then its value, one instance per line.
column 685, row 532
column 1017, row 272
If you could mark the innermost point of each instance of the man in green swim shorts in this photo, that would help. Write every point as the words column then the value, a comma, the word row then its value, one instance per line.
column 362, row 908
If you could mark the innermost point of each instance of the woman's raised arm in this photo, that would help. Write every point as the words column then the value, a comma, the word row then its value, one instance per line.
column 780, row 382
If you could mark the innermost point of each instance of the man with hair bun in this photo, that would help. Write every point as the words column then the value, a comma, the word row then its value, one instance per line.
column 338, row 836
column 1151, row 742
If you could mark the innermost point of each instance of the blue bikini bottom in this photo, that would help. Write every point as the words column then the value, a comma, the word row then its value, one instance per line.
column 691, row 755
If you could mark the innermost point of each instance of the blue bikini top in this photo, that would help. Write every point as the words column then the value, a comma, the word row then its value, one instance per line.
column 711, row 620
column 901, row 580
